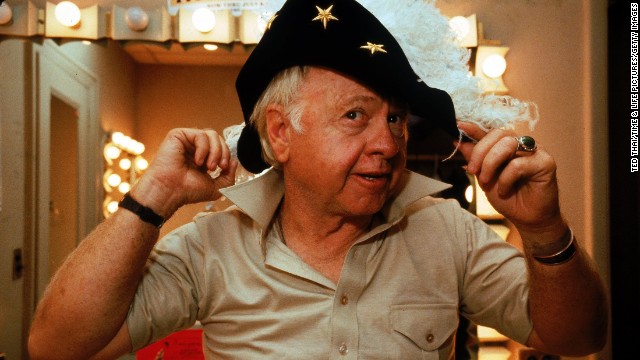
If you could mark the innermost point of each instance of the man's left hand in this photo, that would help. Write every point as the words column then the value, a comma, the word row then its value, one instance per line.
column 520, row 185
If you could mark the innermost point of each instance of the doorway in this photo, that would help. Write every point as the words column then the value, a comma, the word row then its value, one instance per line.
column 63, row 183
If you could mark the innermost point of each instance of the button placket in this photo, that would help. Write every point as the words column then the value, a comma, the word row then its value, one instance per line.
column 344, row 332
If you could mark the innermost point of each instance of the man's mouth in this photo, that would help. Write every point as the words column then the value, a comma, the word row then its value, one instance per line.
column 373, row 177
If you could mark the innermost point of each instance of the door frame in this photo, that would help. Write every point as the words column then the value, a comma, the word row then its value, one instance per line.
column 57, row 74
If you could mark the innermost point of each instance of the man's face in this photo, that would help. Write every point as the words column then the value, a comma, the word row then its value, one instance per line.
column 351, row 152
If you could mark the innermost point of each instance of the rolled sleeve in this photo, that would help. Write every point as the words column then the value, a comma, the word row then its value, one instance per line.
column 166, row 299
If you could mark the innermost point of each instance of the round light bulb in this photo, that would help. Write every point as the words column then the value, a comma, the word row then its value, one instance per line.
column 124, row 187
column 139, row 148
column 117, row 137
column 468, row 194
column 112, row 207
column 460, row 26
column 114, row 180
column 494, row 66
column 125, row 164
column 68, row 13
column 136, row 18
column 111, row 152
column 211, row 47
column 5, row 13
column 141, row 164
column 204, row 20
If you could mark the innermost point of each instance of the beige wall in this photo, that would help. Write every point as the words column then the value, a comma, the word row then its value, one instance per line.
column 115, row 72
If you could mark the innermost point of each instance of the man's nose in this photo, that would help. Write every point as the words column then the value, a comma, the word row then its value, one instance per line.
column 381, row 140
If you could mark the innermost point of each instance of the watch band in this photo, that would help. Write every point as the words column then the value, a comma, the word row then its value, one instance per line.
column 561, row 256
column 146, row 214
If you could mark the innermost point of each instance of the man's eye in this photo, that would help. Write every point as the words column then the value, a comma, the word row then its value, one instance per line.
column 353, row 115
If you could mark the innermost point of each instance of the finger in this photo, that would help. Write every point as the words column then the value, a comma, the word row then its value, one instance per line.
column 229, row 174
column 226, row 153
column 525, row 168
column 496, row 159
column 202, row 147
column 481, row 150
column 215, row 150
column 515, row 172
column 471, row 133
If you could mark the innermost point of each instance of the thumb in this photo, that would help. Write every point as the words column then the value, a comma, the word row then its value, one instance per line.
column 227, row 176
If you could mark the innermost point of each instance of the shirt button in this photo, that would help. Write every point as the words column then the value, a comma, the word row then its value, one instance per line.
column 343, row 349
column 344, row 300
column 430, row 338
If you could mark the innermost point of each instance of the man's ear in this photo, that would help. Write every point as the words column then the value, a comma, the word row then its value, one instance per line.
column 278, row 131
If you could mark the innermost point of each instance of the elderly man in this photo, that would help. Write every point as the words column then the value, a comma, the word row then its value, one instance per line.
column 338, row 251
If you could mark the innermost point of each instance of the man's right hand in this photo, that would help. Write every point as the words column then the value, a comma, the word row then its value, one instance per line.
column 179, row 173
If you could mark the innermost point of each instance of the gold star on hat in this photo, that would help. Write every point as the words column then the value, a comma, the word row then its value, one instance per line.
column 373, row 47
column 325, row 15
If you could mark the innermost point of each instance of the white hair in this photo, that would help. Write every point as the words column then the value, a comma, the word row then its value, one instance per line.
column 282, row 90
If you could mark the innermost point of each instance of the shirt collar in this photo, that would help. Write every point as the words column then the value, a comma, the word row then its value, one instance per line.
column 260, row 197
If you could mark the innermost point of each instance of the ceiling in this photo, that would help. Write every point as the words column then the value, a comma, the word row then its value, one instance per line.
column 174, row 53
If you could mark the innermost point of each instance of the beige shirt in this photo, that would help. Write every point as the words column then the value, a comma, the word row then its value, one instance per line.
column 401, row 289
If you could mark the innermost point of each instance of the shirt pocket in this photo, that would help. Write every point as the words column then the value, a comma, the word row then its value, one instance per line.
column 430, row 327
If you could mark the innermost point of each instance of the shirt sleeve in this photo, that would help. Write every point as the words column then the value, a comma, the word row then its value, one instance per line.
column 166, row 299
column 495, row 283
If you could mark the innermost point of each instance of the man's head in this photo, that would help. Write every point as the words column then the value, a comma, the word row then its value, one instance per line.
column 342, row 36
column 340, row 144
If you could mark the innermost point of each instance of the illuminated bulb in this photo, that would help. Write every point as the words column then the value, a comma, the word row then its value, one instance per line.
column 126, row 142
column 468, row 194
column 494, row 66
column 124, row 187
column 141, row 163
column 114, row 180
column 112, row 207
column 125, row 164
column 117, row 137
column 111, row 151
column 136, row 18
column 67, row 13
column 5, row 13
column 137, row 148
column 211, row 47
column 460, row 26
column 204, row 20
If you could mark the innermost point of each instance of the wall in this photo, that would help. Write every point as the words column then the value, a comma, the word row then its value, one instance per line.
column 116, row 73
column 168, row 97
column 13, row 119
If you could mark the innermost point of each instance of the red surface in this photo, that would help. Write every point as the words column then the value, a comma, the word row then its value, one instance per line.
column 183, row 345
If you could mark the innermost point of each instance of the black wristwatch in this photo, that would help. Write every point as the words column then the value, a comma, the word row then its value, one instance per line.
column 146, row 214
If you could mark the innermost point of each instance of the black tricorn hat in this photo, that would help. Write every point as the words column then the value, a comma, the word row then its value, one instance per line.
column 343, row 36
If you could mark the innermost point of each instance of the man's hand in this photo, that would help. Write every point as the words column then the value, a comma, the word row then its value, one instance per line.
column 520, row 185
column 179, row 174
